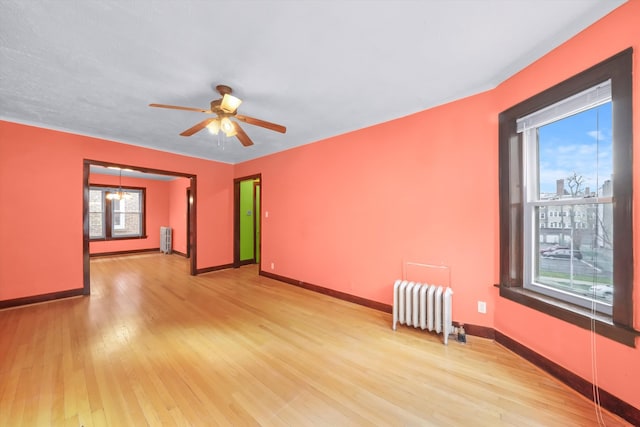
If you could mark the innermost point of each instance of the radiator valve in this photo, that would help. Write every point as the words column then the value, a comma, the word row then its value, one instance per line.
column 462, row 336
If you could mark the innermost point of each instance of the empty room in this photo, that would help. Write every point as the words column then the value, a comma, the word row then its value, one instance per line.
column 288, row 213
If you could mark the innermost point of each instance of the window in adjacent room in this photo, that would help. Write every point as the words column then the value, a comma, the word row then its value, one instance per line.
column 96, row 213
column 565, row 154
column 116, row 218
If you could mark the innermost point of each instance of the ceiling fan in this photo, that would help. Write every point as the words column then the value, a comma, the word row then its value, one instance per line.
column 225, row 108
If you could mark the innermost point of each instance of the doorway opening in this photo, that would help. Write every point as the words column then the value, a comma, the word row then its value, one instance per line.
column 247, row 196
column 191, row 217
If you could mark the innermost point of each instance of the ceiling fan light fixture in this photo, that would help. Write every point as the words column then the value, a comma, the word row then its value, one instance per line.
column 230, row 103
column 226, row 125
column 214, row 127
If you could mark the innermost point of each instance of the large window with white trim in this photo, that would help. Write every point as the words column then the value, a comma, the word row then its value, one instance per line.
column 568, row 173
column 566, row 241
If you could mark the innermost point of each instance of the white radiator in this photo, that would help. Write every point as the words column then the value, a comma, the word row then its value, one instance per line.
column 165, row 240
column 422, row 306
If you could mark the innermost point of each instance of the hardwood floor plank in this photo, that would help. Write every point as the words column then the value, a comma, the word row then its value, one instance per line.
column 99, row 419
column 155, row 346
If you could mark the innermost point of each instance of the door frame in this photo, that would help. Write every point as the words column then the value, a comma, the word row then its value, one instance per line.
column 236, row 218
column 189, row 208
column 191, row 241
column 257, row 224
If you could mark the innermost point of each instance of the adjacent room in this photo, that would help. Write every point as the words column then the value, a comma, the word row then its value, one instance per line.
column 315, row 213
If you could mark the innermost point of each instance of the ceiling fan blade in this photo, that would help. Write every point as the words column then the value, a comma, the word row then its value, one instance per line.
column 261, row 123
column 203, row 124
column 242, row 136
column 176, row 107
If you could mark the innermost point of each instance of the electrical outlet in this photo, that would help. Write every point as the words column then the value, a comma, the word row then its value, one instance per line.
column 273, row 265
column 482, row 307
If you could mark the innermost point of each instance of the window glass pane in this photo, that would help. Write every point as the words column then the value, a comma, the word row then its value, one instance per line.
column 132, row 201
column 117, row 218
column 96, row 214
column 96, row 225
column 575, row 254
column 571, row 248
column 126, row 218
column 127, row 224
column 575, row 157
column 95, row 201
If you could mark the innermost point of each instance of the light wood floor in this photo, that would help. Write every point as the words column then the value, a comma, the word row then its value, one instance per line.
column 154, row 346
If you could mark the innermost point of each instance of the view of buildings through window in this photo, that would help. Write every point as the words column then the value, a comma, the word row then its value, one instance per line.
column 115, row 218
column 126, row 215
column 572, row 205
column 96, row 214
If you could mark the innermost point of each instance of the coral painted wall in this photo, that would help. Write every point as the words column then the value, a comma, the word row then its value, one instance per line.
column 346, row 212
column 42, row 246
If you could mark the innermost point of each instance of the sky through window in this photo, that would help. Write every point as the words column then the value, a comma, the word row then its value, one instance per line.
column 581, row 143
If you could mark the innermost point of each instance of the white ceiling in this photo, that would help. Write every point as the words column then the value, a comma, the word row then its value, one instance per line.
column 321, row 68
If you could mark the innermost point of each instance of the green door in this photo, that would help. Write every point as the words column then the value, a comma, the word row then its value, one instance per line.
column 249, row 221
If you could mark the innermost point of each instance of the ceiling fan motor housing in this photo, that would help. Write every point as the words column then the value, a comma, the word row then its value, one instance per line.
column 224, row 90
column 215, row 106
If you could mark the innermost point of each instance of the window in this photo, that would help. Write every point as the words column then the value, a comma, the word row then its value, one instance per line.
column 113, row 218
column 568, row 152
column 96, row 214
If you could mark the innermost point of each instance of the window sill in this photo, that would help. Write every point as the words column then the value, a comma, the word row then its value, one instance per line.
column 118, row 238
column 570, row 313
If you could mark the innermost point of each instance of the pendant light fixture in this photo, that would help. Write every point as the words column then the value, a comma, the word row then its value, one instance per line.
column 118, row 195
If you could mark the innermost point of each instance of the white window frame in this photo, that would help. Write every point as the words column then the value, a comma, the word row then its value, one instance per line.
column 102, row 213
column 593, row 97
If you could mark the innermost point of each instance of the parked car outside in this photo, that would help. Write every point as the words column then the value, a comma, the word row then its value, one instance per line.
column 551, row 248
column 562, row 253
column 602, row 291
